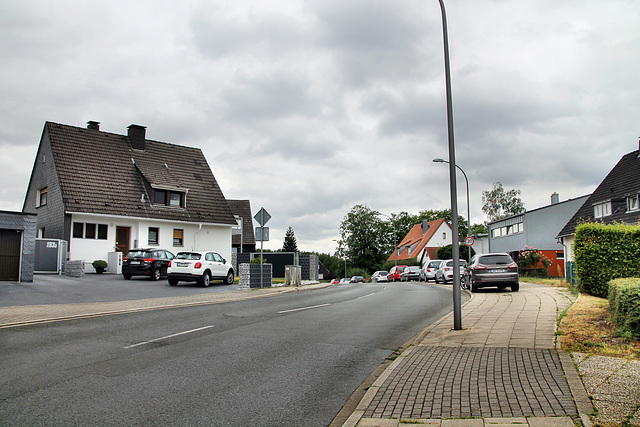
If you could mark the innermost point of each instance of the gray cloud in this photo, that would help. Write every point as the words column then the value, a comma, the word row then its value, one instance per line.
column 308, row 108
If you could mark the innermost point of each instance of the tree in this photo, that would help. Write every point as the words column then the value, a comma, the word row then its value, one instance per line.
column 290, row 244
column 432, row 215
column 498, row 203
column 362, row 243
column 478, row 229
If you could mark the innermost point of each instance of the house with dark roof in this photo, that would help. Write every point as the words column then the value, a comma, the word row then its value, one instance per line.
column 243, row 239
column 536, row 228
column 616, row 200
column 423, row 241
column 105, row 192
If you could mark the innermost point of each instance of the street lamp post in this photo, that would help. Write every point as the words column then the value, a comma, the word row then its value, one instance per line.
column 457, row 305
column 468, row 210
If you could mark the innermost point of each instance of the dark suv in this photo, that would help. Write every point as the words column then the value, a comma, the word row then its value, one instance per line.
column 496, row 269
column 150, row 262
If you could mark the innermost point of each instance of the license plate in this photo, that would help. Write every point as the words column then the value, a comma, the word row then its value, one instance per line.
column 134, row 262
column 182, row 264
column 498, row 270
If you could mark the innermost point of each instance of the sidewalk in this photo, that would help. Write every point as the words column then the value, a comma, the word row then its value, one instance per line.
column 503, row 368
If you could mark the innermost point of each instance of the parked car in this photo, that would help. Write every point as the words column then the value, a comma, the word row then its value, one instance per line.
column 395, row 272
column 410, row 273
column 357, row 279
column 444, row 273
column 335, row 281
column 428, row 272
column 200, row 267
column 495, row 269
column 344, row 281
column 150, row 262
column 379, row 276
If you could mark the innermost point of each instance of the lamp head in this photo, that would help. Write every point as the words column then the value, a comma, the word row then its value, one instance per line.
column 439, row 160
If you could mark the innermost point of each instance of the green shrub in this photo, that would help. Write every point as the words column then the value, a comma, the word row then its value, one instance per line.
column 605, row 252
column 99, row 263
column 624, row 305
column 533, row 263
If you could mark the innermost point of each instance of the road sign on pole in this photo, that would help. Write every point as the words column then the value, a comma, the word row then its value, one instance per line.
column 262, row 217
column 469, row 241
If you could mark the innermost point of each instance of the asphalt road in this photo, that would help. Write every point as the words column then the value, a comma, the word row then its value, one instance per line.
column 287, row 360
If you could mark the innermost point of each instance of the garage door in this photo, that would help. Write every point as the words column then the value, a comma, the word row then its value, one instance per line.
column 10, row 255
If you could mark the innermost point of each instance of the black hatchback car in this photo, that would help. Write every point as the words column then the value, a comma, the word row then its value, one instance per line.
column 150, row 262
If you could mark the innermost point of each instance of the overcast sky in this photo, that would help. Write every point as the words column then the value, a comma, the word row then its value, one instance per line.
column 308, row 108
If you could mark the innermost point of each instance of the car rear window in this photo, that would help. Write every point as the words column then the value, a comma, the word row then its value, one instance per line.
column 495, row 259
column 189, row 255
column 137, row 253
column 433, row 264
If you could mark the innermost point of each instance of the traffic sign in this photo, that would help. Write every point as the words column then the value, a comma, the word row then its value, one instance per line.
column 262, row 217
column 262, row 234
column 469, row 241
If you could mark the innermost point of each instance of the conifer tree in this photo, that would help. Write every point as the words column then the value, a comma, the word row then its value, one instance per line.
column 290, row 244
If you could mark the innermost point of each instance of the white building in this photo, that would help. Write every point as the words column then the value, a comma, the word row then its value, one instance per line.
column 106, row 193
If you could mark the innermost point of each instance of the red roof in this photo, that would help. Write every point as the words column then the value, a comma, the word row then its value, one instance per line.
column 418, row 237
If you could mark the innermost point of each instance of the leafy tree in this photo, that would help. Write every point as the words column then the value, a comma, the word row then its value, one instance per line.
column 446, row 252
column 478, row 229
column 290, row 244
column 498, row 203
column 361, row 243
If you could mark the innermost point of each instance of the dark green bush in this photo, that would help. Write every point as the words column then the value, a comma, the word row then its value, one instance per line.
column 606, row 252
column 624, row 305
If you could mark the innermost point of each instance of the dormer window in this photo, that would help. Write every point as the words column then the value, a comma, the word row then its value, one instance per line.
column 168, row 198
column 602, row 209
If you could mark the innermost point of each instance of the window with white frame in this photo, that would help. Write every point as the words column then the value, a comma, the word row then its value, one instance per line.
column 633, row 203
column 602, row 209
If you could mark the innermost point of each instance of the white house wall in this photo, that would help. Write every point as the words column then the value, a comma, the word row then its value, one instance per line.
column 195, row 237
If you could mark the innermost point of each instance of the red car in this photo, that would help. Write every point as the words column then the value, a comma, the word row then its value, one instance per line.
column 395, row 272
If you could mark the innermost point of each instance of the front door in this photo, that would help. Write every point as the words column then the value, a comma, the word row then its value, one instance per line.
column 122, row 239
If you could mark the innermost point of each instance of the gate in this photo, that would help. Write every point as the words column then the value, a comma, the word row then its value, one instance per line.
column 50, row 256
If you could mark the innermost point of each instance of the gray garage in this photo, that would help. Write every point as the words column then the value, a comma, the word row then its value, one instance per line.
column 17, row 246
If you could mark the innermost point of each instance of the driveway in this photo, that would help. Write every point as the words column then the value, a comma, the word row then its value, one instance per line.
column 54, row 289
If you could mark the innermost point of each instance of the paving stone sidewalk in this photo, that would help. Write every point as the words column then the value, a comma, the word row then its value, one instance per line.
column 501, row 369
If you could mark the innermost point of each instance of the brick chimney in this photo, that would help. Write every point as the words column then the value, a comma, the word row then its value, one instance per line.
column 93, row 125
column 137, row 136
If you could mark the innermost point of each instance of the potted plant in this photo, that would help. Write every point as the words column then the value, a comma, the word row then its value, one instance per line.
column 99, row 265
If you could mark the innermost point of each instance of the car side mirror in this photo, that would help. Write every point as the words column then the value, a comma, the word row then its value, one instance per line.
column 224, row 261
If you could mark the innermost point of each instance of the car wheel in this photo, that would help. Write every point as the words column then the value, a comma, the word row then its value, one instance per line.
column 206, row 279
column 230, row 277
column 126, row 276
column 155, row 274
column 515, row 287
column 173, row 282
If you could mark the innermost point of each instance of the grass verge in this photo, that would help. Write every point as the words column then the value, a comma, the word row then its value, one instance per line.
column 586, row 328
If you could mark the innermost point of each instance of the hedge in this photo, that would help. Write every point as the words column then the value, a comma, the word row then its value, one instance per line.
column 624, row 305
column 606, row 252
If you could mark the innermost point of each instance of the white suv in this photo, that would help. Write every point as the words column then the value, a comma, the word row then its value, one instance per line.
column 199, row 267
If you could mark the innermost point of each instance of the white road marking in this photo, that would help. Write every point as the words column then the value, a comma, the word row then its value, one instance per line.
column 303, row 308
column 169, row 336
column 367, row 295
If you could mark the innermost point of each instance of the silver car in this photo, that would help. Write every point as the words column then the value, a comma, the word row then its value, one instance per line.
column 444, row 273
column 428, row 272
column 496, row 269
column 379, row 276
